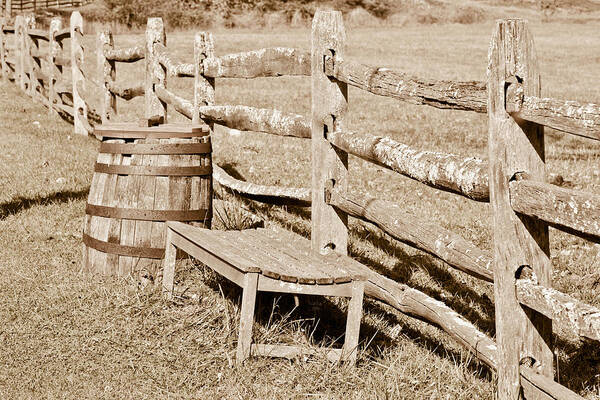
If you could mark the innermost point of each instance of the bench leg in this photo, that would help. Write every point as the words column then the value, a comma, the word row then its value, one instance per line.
column 247, row 317
column 169, row 265
column 353, row 322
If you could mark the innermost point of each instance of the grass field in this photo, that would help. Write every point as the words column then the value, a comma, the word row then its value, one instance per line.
column 64, row 335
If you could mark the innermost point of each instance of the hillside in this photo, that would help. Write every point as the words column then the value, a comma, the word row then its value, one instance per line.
column 270, row 13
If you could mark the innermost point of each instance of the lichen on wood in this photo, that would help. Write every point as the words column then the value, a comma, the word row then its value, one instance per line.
column 204, row 87
column 469, row 96
column 243, row 118
column 155, row 75
column 127, row 55
column 465, row 176
column 570, row 210
column 582, row 119
column 247, row 118
column 123, row 92
column 172, row 68
column 268, row 62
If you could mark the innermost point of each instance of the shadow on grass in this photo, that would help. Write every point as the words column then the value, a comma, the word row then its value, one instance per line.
column 463, row 297
column 578, row 372
column 23, row 203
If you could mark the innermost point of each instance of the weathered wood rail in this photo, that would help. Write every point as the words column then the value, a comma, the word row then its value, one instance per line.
column 518, row 266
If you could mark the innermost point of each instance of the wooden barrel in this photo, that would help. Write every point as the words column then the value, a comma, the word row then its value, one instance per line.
column 143, row 177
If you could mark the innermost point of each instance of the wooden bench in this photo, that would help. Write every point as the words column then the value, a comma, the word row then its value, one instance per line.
column 271, row 261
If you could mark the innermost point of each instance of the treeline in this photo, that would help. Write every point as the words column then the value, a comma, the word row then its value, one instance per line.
column 186, row 13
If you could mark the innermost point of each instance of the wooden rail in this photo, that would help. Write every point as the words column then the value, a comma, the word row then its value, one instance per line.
column 519, row 267
column 127, row 55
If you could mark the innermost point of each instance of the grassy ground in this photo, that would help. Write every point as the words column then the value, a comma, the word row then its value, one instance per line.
column 65, row 335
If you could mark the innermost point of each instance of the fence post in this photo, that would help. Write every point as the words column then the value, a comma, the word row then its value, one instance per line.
column 329, row 105
column 3, row 66
column 107, row 71
column 32, row 47
column 79, row 107
column 204, row 87
column 155, row 75
column 521, row 247
column 54, row 71
column 8, row 9
column 19, row 50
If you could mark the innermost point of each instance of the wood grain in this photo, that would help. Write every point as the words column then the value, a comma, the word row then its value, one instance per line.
column 80, row 109
column 520, row 244
column 54, row 70
column 3, row 49
column 108, row 73
column 469, row 96
column 204, row 86
column 278, row 195
column 570, row 210
column 329, row 228
column 155, row 75
column 267, row 62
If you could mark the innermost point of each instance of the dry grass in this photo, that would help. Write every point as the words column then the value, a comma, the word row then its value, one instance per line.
column 67, row 336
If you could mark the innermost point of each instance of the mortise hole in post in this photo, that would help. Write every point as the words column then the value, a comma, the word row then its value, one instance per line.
column 524, row 272
column 328, row 58
column 527, row 361
column 329, row 246
column 519, row 176
column 328, row 125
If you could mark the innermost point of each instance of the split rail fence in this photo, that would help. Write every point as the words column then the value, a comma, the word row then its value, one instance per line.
column 513, row 181
column 15, row 6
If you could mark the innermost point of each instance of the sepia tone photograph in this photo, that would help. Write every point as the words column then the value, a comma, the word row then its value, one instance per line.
column 300, row 199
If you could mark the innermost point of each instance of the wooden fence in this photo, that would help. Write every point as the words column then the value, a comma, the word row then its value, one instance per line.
column 513, row 181
column 18, row 6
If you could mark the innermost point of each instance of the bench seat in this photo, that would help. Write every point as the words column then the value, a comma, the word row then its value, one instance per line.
column 270, row 260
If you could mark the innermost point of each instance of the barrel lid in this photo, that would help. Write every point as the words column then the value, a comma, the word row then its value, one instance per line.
column 132, row 130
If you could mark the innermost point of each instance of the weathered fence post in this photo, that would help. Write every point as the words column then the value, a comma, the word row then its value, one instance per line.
column 329, row 106
column 54, row 70
column 80, row 111
column 107, row 71
column 33, row 64
column 155, row 74
column 17, row 48
column 3, row 66
column 204, row 88
column 8, row 9
column 521, row 247
column 24, row 23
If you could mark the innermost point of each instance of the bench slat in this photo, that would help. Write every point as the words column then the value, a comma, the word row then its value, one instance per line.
column 215, row 245
column 298, row 246
column 276, row 254
column 305, row 272
column 312, row 267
